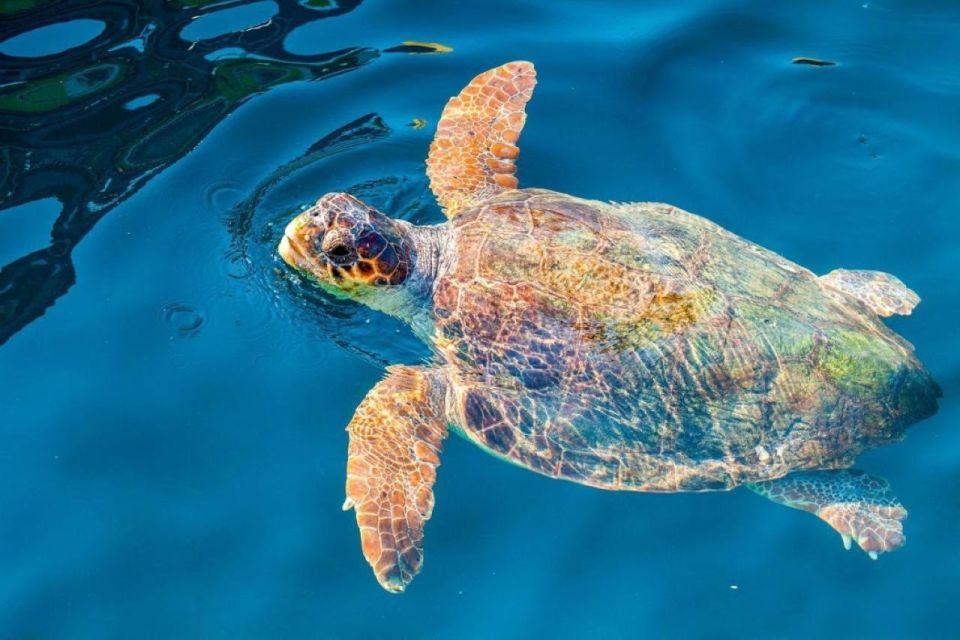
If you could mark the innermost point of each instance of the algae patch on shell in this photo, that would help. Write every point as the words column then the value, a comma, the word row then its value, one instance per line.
column 857, row 363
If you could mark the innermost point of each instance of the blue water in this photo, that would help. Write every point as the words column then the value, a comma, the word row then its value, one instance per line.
column 173, row 405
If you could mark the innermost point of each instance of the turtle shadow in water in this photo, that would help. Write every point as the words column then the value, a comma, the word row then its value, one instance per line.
column 80, row 126
column 256, row 225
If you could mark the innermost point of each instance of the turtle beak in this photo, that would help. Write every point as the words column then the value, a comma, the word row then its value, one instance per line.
column 286, row 252
column 290, row 248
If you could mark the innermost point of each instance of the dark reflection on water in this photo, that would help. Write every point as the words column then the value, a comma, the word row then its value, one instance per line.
column 92, row 124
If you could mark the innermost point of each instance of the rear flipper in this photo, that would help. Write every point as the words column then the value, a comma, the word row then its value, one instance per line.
column 883, row 293
column 860, row 507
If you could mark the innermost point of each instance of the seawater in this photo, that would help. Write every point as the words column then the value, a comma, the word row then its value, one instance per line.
column 173, row 401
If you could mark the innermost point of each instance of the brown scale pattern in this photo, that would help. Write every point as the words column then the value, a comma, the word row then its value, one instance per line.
column 646, row 349
column 396, row 437
column 338, row 218
column 473, row 153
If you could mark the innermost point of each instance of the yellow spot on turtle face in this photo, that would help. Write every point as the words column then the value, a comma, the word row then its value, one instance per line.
column 417, row 123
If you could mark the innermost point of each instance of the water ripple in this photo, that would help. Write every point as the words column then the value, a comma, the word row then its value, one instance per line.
column 183, row 320
column 256, row 226
column 91, row 124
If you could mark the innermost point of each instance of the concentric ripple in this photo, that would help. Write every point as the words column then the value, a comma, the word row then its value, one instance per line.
column 183, row 320
column 285, row 298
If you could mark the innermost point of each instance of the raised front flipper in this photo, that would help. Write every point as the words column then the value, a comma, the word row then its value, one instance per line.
column 473, row 152
column 860, row 507
column 883, row 293
column 395, row 440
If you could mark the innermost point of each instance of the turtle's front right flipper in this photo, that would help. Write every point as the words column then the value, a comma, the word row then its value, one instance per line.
column 395, row 440
column 473, row 154
column 860, row 507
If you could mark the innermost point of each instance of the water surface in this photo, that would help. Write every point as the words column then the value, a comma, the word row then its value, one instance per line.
column 173, row 401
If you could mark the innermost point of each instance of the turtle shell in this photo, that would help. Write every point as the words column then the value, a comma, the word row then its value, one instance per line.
column 643, row 347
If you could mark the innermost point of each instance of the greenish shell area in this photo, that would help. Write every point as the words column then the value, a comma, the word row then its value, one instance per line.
column 857, row 363
column 643, row 347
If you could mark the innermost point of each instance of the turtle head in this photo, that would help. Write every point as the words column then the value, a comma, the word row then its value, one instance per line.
column 348, row 246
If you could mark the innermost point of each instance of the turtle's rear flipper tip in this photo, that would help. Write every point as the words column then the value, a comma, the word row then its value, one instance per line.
column 882, row 293
column 860, row 507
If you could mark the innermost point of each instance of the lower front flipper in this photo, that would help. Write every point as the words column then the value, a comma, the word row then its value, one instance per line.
column 395, row 440
column 859, row 506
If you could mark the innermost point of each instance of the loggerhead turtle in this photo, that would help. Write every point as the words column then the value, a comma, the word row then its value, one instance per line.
column 622, row 346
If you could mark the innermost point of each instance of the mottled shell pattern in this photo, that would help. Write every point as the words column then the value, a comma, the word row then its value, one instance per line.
column 643, row 347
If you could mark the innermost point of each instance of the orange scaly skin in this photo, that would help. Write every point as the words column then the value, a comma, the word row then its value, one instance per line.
column 473, row 153
column 341, row 219
column 396, row 437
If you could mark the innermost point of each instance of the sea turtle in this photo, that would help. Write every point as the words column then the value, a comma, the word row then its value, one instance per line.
column 622, row 346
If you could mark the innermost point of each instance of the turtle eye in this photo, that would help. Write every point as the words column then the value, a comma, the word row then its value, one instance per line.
column 338, row 247
column 341, row 256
